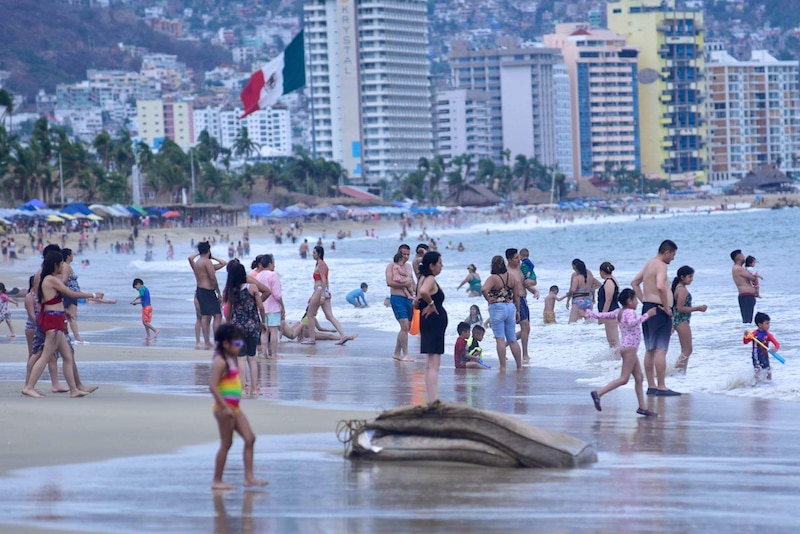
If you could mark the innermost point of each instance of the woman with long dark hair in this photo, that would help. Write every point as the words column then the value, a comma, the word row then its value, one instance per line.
column 244, row 309
column 52, row 322
column 682, row 314
column 432, row 321
column 581, row 290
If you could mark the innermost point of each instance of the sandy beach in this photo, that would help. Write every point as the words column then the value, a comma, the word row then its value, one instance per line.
column 136, row 455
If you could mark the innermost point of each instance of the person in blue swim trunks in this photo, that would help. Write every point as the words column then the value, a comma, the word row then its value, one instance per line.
column 400, row 302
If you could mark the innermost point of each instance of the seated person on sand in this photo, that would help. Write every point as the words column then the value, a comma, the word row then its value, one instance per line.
column 294, row 331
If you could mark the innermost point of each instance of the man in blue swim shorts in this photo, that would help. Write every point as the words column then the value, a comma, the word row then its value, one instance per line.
column 514, row 269
column 402, row 306
column 656, row 331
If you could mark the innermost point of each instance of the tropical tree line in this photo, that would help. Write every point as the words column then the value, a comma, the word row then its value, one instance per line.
column 511, row 177
column 100, row 171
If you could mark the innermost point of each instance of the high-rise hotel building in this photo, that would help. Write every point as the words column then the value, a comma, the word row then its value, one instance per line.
column 671, row 85
column 753, row 115
column 369, row 79
column 522, row 95
column 603, row 72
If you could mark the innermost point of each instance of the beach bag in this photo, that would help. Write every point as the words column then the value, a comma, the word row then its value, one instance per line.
column 414, row 328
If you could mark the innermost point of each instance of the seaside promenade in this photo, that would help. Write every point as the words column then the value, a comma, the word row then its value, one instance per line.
column 135, row 457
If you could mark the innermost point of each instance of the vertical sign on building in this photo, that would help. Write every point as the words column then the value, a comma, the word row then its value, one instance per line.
column 346, row 14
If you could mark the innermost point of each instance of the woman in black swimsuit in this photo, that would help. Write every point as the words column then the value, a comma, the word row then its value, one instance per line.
column 433, row 320
column 607, row 301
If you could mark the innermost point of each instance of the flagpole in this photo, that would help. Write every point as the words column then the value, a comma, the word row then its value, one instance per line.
column 311, row 85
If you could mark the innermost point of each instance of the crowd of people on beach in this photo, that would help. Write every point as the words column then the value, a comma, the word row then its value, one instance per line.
column 417, row 299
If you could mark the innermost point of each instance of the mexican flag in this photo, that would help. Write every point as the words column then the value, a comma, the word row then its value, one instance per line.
column 280, row 76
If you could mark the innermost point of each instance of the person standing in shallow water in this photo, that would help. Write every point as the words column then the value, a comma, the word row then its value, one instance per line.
column 402, row 306
column 208, row 294
column 432, row 321
column 652, row 288
column 607, row 297
column 682, row 314
column 744, row 281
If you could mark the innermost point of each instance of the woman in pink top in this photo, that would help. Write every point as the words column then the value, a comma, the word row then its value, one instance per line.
column 630, row 331
column 276, row 313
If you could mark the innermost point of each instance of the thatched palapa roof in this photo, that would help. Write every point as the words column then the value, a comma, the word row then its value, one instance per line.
column 765, row 178
column 471, row 195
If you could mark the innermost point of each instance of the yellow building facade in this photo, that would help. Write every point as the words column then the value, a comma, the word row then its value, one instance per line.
column 671, row 86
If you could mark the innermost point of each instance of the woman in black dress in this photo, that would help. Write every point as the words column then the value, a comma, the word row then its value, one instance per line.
column 433, row 320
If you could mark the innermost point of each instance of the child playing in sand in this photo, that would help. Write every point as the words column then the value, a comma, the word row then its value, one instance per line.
column 226, row 388
column 630, row 333
column 474, row 349
column 760, row 339
column 550, row 305
column 460, row 353
column 5, row 313
column 750, row 265
column 400, row 276
column 147, row 308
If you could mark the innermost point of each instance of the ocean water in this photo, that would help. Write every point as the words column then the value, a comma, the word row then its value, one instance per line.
column 720, row 362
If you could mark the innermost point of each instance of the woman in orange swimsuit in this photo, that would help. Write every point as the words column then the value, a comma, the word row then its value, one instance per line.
column 52, row 322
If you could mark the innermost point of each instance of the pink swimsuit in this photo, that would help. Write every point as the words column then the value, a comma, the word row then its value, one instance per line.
column 630, row 332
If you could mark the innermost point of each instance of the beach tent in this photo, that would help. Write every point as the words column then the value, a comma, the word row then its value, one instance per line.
column 76, row 208
column 33, row 204
column 121, row 210
column 260, row 210
column 135, row 209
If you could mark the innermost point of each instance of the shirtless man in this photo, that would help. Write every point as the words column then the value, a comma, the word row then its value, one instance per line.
column 744, row 285
column 402, row 306
column 208, row 294
column 514, row 270
column 657, row 330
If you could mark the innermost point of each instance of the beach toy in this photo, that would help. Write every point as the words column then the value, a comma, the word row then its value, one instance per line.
column 772, row 352
column 414, row 328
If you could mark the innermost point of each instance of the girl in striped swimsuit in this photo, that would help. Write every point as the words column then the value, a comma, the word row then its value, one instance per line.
column 226, row 388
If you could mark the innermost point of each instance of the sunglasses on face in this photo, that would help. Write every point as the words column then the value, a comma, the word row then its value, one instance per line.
column 237, row 343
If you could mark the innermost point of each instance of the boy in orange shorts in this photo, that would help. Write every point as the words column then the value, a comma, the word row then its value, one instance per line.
column 147, row 308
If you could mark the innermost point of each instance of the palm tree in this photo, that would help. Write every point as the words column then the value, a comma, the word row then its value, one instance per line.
column 243, row 145
column 7, row 105
column 523, row 170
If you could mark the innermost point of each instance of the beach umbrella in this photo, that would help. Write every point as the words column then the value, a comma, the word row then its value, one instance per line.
column 54, row 218
column 66, row 216
column 94, row 217
column 171, row 214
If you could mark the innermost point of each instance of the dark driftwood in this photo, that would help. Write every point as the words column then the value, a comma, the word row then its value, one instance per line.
column 457, row 424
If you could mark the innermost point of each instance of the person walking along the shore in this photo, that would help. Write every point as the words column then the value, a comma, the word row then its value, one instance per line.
column 433, row 320
column 402, row 306
column 631, row 335
column 656, row 293
column 52, row 322
column 226, row 388
column 321, row 299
